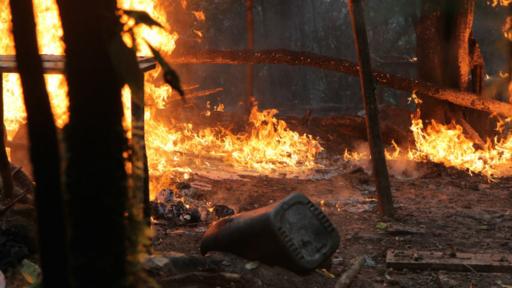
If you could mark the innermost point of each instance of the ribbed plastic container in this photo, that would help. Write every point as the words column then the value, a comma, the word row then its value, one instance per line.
column 292, row 233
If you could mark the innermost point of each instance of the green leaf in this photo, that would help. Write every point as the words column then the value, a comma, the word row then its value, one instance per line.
column 30, row 271
column 142, row 17
column 381, row 226
column 170, row 76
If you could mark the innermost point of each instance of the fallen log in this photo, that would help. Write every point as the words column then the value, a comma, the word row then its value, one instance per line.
column 302, row 58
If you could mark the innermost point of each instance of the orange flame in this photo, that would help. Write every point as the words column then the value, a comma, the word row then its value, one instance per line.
column 269, row 147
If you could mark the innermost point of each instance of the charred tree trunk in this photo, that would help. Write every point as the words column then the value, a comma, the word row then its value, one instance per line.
column 44, row 149
column 5, row 166
column 380, row 170
column 448, row 57
column 95, row 143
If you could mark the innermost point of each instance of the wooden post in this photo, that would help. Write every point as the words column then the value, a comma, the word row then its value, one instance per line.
column 5, row 166
column 250, row 45
column 380, row 171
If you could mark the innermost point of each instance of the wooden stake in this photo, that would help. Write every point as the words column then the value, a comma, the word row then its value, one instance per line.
column 380, row 171
column 250, row 45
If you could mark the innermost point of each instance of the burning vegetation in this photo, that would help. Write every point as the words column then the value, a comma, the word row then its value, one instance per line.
column 191, row 165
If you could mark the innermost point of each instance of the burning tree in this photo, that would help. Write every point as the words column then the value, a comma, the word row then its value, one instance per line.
column 449, row 57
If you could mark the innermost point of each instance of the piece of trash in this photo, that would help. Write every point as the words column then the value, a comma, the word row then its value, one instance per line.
column 30, row 271
column 325, row 273
column 252, row 265
column 165, row 196
column 154, row 261
column 2, row 280
column 369, row 262
column 292, row 233
column 222, row 211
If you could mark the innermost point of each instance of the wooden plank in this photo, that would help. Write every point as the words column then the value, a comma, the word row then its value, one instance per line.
column 55, row 64
column 461, row 262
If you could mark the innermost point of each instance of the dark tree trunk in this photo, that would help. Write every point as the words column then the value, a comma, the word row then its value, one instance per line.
column 250, row 45
column 5, row 166
column 448, row 57
column 96, row 176
column 44, row 150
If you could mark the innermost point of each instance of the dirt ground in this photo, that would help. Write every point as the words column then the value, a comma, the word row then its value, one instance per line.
column 457, row 212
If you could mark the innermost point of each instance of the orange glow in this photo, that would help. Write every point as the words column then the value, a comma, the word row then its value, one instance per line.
column 199, row 15
column 49, row 34
column 495, row 3
column 268, row 147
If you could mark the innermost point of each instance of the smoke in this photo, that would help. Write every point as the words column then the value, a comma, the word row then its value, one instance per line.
column 399, row 166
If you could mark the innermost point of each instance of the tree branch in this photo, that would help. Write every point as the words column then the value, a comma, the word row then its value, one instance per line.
column 301, row 58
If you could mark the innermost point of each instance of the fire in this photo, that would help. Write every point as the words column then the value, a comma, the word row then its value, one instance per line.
column 49, row 34
column 495, row 3
column 447, row 145
column 268, row 146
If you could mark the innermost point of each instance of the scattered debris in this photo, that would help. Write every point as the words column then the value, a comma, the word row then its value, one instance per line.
column 397, row 229
column 464, row 262
column 292, row 233
column 222, row 211
column 351, row 273
column 186, row 206
column 175, row 213
column 202, row 279
column 369, row 262
column 151, row 262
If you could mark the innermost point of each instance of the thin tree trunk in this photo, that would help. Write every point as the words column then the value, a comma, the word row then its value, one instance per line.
column 5, row 166
column 44, row 149
column 510, row 59
column 96, row 176
column 250, row 45
column 380, row 170
column 301, row 58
